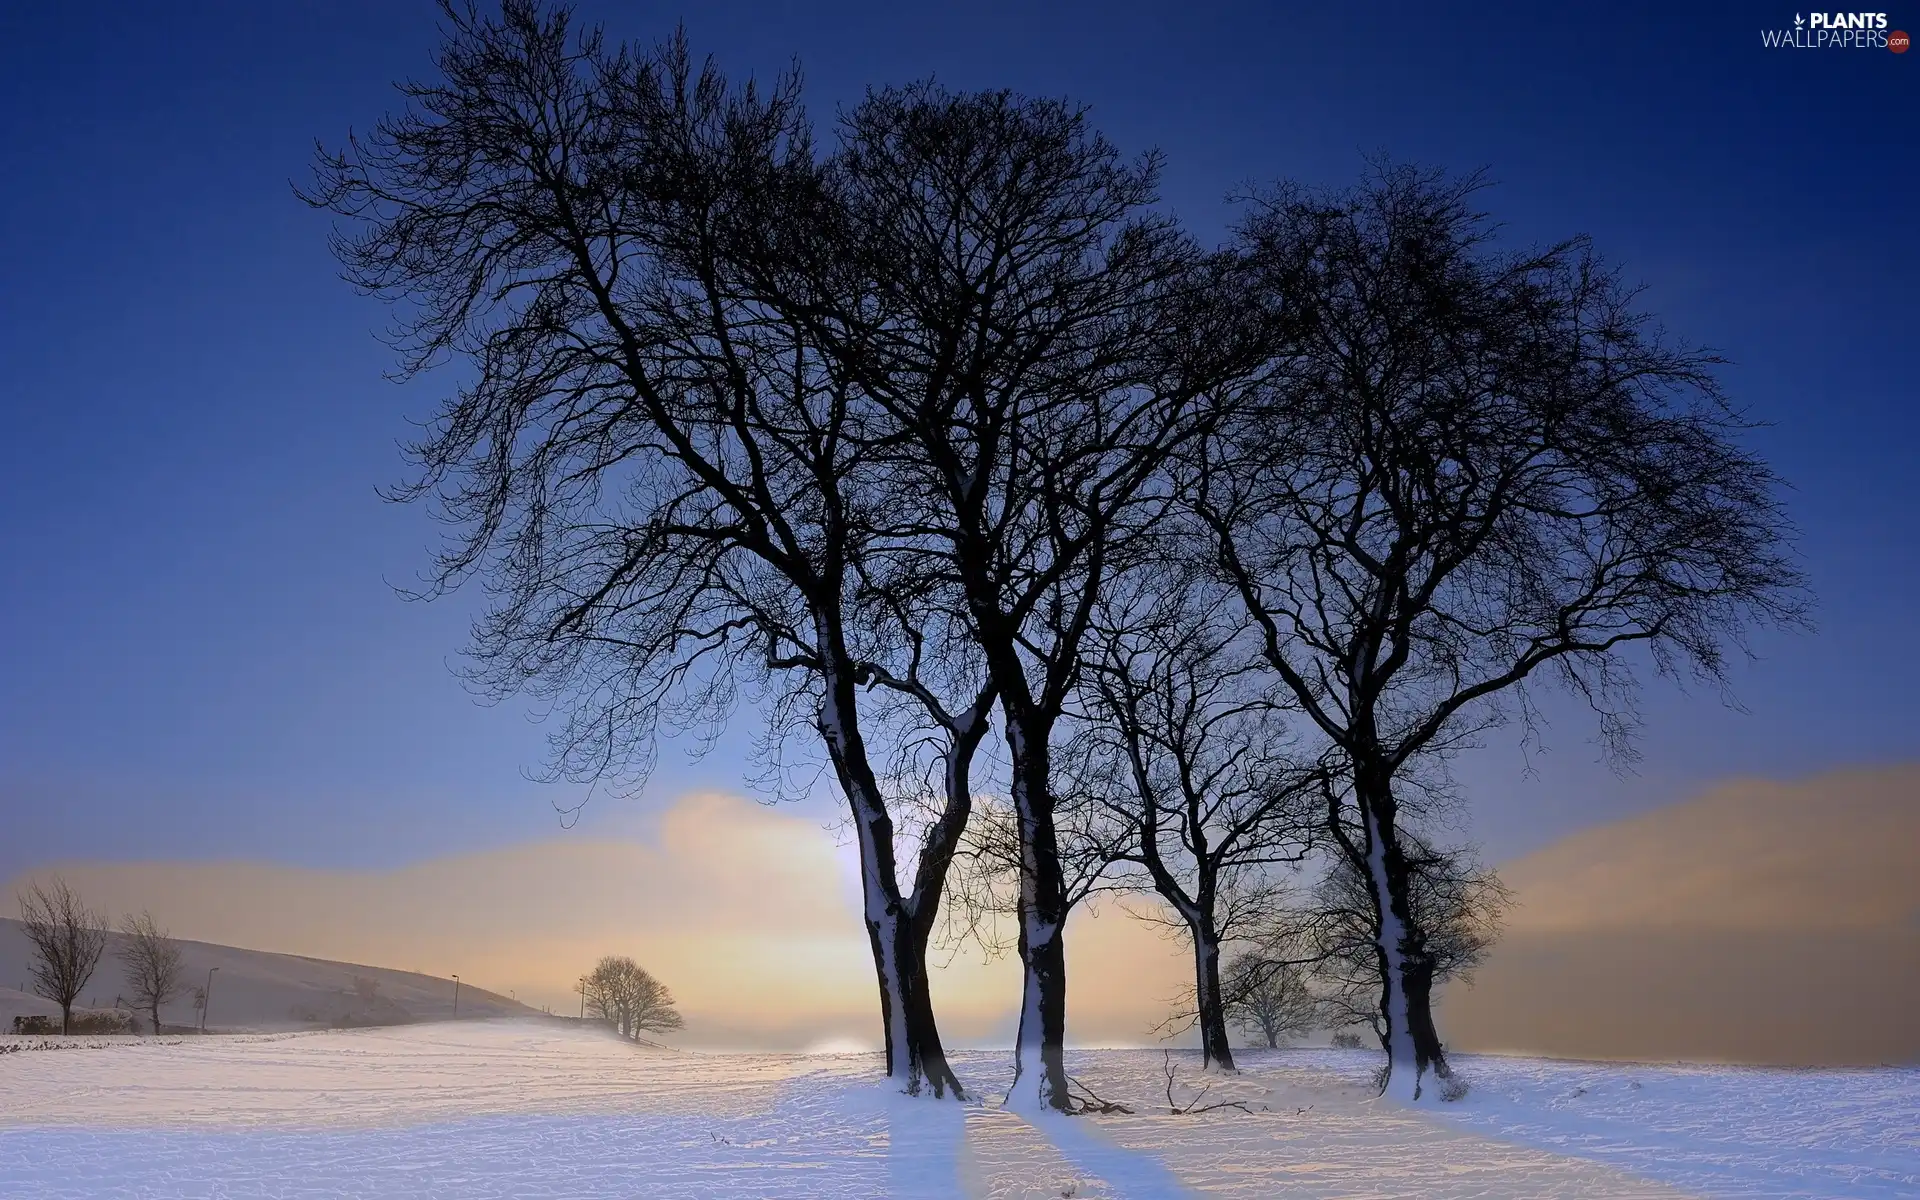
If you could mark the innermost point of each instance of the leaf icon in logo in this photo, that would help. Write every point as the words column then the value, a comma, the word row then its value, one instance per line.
column 1798, row 20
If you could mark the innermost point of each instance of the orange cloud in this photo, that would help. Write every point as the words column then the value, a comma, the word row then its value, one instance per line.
column 1761, row 922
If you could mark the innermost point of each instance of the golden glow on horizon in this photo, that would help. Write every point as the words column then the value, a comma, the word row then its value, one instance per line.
column 1759, row 922
column 750, row 914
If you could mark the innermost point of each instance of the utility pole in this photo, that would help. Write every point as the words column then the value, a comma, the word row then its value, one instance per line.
column 207, row 999
column 456, row 997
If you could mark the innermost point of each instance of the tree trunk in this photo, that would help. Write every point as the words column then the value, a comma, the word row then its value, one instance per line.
column 1039, row 1060
column 1039, row 1063
column 66, row 1017
column 923, row 906
column 915, row 1056
column 155, row 1013
column 1215, row 1048
column 1427, row 1049
column 1398, row 939
column 914, row 1053
column 927, row 1057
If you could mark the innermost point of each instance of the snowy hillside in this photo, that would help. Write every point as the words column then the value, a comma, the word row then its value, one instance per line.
column 536, row 1109
column 260, row 990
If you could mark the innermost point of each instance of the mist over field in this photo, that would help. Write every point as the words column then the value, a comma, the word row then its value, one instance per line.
column 1761, row 922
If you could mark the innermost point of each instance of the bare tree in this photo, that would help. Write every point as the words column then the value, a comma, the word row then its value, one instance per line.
column 652, row 1009
column 1467, row 468
column 671, row 489
column 1185, row 745
column 1270, row 998
column 152, row 963
column 622, row 993
column 1033, row 332
column 602, row 991
column 67, row 939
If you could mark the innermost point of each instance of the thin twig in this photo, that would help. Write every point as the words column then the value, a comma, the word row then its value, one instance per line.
column 1193, row 1107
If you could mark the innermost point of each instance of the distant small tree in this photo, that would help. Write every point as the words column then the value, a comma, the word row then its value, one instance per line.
column 152, row 962
column 67, row 939
column 652, row 1007
column 1268, row 999
column 623, row 993
column 1347, row 1039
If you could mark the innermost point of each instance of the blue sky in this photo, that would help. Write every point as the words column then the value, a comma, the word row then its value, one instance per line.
column 201, row 654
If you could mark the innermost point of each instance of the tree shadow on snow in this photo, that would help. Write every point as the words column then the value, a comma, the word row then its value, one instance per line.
column 1133, row 1174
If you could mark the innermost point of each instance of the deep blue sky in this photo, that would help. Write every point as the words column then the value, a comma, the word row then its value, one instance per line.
column 200, row 652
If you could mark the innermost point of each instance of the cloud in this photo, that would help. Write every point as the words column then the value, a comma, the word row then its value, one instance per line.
column 1760, row 922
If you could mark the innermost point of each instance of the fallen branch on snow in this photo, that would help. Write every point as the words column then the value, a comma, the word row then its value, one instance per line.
column 1091, row 1102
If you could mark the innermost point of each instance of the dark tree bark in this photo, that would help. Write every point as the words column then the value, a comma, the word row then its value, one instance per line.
column 1420, row 1025
column 897, row 926
column 1215, row 1047
column 965, row 730
column 1040, row 1043
column 1401, row 941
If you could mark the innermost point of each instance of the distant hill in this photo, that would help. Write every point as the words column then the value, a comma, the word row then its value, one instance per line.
column 260, row 990
column 1762, row 922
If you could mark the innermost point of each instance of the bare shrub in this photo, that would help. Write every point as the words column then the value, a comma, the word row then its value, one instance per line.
column 152, row 962
column 67, row 939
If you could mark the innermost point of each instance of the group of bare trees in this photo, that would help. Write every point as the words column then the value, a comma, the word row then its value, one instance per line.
column 622, row 993
column 67, row 940
column 938, row 433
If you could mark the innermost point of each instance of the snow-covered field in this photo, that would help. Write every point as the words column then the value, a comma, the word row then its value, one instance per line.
column 531, row 1109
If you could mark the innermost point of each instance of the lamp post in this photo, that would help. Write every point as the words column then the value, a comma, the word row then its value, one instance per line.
column 206, row 998
column 456, row 997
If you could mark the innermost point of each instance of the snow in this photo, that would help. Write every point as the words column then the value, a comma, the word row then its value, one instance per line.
column 543, row 1109
column 1721, row 1131
column 1710, row 1130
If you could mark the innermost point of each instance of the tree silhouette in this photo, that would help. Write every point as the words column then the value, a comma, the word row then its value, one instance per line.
column 152, row 963
column 622, row 993
column 67, row 939
column 1465, row 469
column 671, row 489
